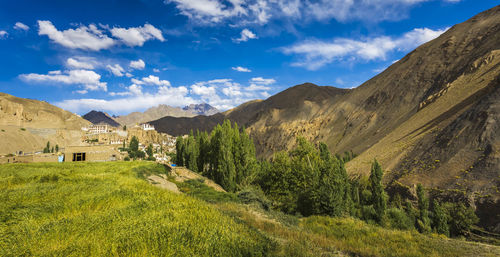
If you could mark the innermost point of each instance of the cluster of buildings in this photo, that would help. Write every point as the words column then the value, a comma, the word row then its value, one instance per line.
column 102, row 143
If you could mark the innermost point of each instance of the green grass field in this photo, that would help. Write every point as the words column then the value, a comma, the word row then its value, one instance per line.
column 108, row 209
column 105, row 209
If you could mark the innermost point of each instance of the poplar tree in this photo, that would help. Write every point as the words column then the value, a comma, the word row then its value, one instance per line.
column 440, row 219
column 179, row 145
column 423, row 222
column 379, row 197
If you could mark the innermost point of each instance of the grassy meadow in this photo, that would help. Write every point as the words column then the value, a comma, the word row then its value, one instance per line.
column 108, row 209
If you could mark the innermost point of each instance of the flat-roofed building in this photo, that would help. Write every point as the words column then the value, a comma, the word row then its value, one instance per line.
column 92, row 153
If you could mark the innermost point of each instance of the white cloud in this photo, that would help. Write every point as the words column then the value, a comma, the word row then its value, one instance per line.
column 245, row 35
column 199, row 89
column 128, row 75
column 207, row 11
column 131, row 90
column 242, row 12
column 225, row 93
column 262, row 81
column 84, row 91
column 255, row 87
column 55, row 72
column 220, row 93
column 134, row 99
column 89, row 79
column 154, row 80
column 317, row 53
column 78, row 64
column 3, row 34
column 116, row 69
column 138, row 65
column 136, row 36
column 83, row 37
column 241, row 69
column 137, row 81
column 156, row 70
column 151, row 80
column 21, row 26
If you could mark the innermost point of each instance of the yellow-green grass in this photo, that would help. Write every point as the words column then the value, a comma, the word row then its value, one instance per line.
column 106, row 209
column 330, row 236
column 355, row 236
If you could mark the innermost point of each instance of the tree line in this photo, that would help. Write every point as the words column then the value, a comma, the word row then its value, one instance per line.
column 310, row 180
column 227, row 156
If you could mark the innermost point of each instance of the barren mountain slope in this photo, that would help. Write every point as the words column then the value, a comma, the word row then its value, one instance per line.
column 26, row 125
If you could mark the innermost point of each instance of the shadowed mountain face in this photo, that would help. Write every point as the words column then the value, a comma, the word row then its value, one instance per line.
column 101, row 118
column 432, row 118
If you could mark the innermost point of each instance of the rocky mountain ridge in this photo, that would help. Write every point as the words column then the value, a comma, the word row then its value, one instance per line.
column 430, row 118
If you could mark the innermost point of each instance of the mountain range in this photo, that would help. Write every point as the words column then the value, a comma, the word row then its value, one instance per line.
column 163, row 110
column 432, row 118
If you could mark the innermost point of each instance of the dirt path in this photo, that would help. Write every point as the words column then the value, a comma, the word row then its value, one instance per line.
column 162, row 182
column 182, row 174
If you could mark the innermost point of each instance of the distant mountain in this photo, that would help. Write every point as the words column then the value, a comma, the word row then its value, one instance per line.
column 26, row 125
column 201, row 109
column 431, row 118
column 163, row 110
column 97, row 117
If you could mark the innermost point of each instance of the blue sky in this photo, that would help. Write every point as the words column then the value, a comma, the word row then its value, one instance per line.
column 121, row 56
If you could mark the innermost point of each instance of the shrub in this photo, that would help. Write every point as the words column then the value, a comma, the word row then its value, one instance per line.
column 254, row 194
column 461, row 218
column 398, row 219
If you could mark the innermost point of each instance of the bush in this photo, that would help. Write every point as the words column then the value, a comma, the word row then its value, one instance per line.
column 126, row 158
column 461, row 218
column 197, row 188
column 254, row 194
column 398, row 219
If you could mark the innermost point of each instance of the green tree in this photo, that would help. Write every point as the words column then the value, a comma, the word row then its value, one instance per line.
column 461, row 218
column 440, row 219
column 125, row 127
column 191, row 153
column 133, row 148
column 47, row 148
column 423, row 222
column 149, row 152
column 57, row 148
column 179, row 146
column 379, row 197
column 203, row 143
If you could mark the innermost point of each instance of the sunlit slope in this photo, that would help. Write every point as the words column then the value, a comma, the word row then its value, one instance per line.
column 104, row 209
column 26, row 125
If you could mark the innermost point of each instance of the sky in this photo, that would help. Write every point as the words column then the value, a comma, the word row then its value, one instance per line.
column 121, row 56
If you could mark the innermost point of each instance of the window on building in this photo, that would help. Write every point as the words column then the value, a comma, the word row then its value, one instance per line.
column 78, row 157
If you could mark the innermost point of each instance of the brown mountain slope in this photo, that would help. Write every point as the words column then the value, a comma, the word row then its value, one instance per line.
column 26, row 125
column 431, row 118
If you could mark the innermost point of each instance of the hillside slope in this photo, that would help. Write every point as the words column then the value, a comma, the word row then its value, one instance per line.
column 26, row 125
column 430, row 118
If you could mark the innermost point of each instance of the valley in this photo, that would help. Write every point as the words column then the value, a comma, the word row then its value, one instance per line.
column 285, row 128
